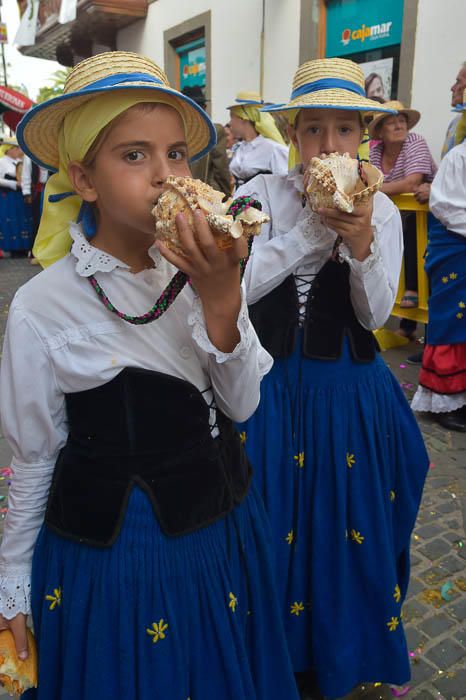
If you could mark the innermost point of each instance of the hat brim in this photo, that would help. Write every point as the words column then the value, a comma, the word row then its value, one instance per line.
column 412, row 117
column 259, row 105
column 334, row 98
column 459, row 108
column 37, row 132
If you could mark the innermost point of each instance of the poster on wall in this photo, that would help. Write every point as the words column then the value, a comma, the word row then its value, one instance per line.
column 193, row 67
column 362, row 25
column 379, row 76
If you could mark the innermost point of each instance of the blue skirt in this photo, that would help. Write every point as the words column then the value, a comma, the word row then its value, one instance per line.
column 15, row 221
column 153, row 616
column 341, row 464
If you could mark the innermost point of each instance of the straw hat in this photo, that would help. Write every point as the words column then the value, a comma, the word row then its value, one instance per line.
column 412, row 117
column 329, row 82
column 248, row 99
column 116, row 70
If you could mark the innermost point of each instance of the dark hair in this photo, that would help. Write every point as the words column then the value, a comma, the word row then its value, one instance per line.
column 370, row 79
column 380, row 100
column 196, row 93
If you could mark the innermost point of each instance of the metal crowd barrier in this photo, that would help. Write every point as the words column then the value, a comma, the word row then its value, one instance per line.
column 407, row 202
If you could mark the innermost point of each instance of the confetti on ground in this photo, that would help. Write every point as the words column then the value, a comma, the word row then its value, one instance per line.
column 402, row 366
column 461, row 584
column 447, row 591
column 432, row 596
column 401, row 691
column 458, row 544
column 432, row 465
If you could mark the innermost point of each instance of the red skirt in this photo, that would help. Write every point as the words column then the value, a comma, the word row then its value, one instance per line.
column 444, row 368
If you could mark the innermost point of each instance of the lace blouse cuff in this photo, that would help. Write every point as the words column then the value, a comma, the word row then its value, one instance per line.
column 365, row 267
column 199, row 332
column 15, row 595
column 311, row 232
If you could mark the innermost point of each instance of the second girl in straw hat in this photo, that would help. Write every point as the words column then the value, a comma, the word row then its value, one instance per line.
column 261, row 148
column 132, row 532
column 336, row 450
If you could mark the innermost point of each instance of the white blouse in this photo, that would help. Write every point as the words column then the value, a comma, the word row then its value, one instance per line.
column 60, row 339
column 8, row 167
column 297, row 242
column 448, row 191
column 252, row 157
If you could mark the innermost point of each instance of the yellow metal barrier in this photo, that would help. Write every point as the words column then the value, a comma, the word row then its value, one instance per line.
column 388, row 339
column 407, row 202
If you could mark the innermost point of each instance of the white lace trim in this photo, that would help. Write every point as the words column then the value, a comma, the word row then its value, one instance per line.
column 15, row 595
column 365, row 266
column 91, row 259
column 425, row 400
column 199, row 332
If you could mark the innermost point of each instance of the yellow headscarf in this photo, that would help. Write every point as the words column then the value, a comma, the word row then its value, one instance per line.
column 460, row 132
column 79, row 130
column 263, row 122
column 294, row 158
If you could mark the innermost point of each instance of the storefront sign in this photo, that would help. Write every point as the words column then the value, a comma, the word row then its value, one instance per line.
column 362, row 25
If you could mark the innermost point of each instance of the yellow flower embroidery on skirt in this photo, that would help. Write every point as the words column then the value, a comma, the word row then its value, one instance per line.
column 397, row 593
column 350, row 460
column 297, row 609
column 54, row 599
column 243, row 437
column 393, row 624
column 233, row 602
column 290, row 537
column 356, row 537
column 299, row 458
column 392, row 495
column 158, row 630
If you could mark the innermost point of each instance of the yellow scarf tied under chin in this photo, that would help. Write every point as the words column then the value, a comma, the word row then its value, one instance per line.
column 263, row 122
column 79, row 130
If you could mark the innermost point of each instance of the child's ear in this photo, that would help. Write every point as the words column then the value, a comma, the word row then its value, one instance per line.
column 82, row 182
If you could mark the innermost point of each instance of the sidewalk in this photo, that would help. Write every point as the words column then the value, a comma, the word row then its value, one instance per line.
column 435, row 623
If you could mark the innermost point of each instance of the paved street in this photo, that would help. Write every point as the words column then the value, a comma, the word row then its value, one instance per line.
column 435, row 612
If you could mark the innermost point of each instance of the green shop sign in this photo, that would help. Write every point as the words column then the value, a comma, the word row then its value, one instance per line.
column 362, row 25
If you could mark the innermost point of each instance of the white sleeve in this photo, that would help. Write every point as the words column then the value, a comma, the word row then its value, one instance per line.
column 273, row 259
column 10, row 184
column 374, row 282
column 34, row 423
column 279, row 161
column 448, row 191
column 26, row 177
column 235, row 376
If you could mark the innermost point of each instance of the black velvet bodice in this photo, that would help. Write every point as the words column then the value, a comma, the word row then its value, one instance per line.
column 149, row 429
column 328, row 320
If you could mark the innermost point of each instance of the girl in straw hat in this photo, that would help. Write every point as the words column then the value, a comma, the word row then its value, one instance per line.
column 336, row 450
column 130, row 489
column 262, row 148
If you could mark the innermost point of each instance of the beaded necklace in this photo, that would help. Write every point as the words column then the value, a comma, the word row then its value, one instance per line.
column 177, row 283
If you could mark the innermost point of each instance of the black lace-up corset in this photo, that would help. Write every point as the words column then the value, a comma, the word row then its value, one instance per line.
column 329, row 317
column 149, row 429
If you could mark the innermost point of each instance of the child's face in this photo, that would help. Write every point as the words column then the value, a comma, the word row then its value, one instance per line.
column 327, row 131
column 138, row 154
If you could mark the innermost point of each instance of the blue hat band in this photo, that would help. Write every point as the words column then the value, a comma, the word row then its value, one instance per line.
column 249, row 102
column 327, row 84
column 120, row 78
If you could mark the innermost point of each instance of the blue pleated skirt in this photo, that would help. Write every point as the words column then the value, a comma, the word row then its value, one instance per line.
column 191, row 617
column 341, row 464
column 15, row 221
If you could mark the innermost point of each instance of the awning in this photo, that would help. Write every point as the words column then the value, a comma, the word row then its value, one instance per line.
column 13, row 105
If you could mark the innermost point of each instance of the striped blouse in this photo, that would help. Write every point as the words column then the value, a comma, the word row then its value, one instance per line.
column 414, row 157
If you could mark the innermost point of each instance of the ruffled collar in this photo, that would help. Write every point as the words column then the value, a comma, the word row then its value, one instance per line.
column 90, row 259
column 295, row 176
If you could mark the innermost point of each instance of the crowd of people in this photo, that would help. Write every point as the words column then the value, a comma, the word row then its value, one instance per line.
column 215, row 474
